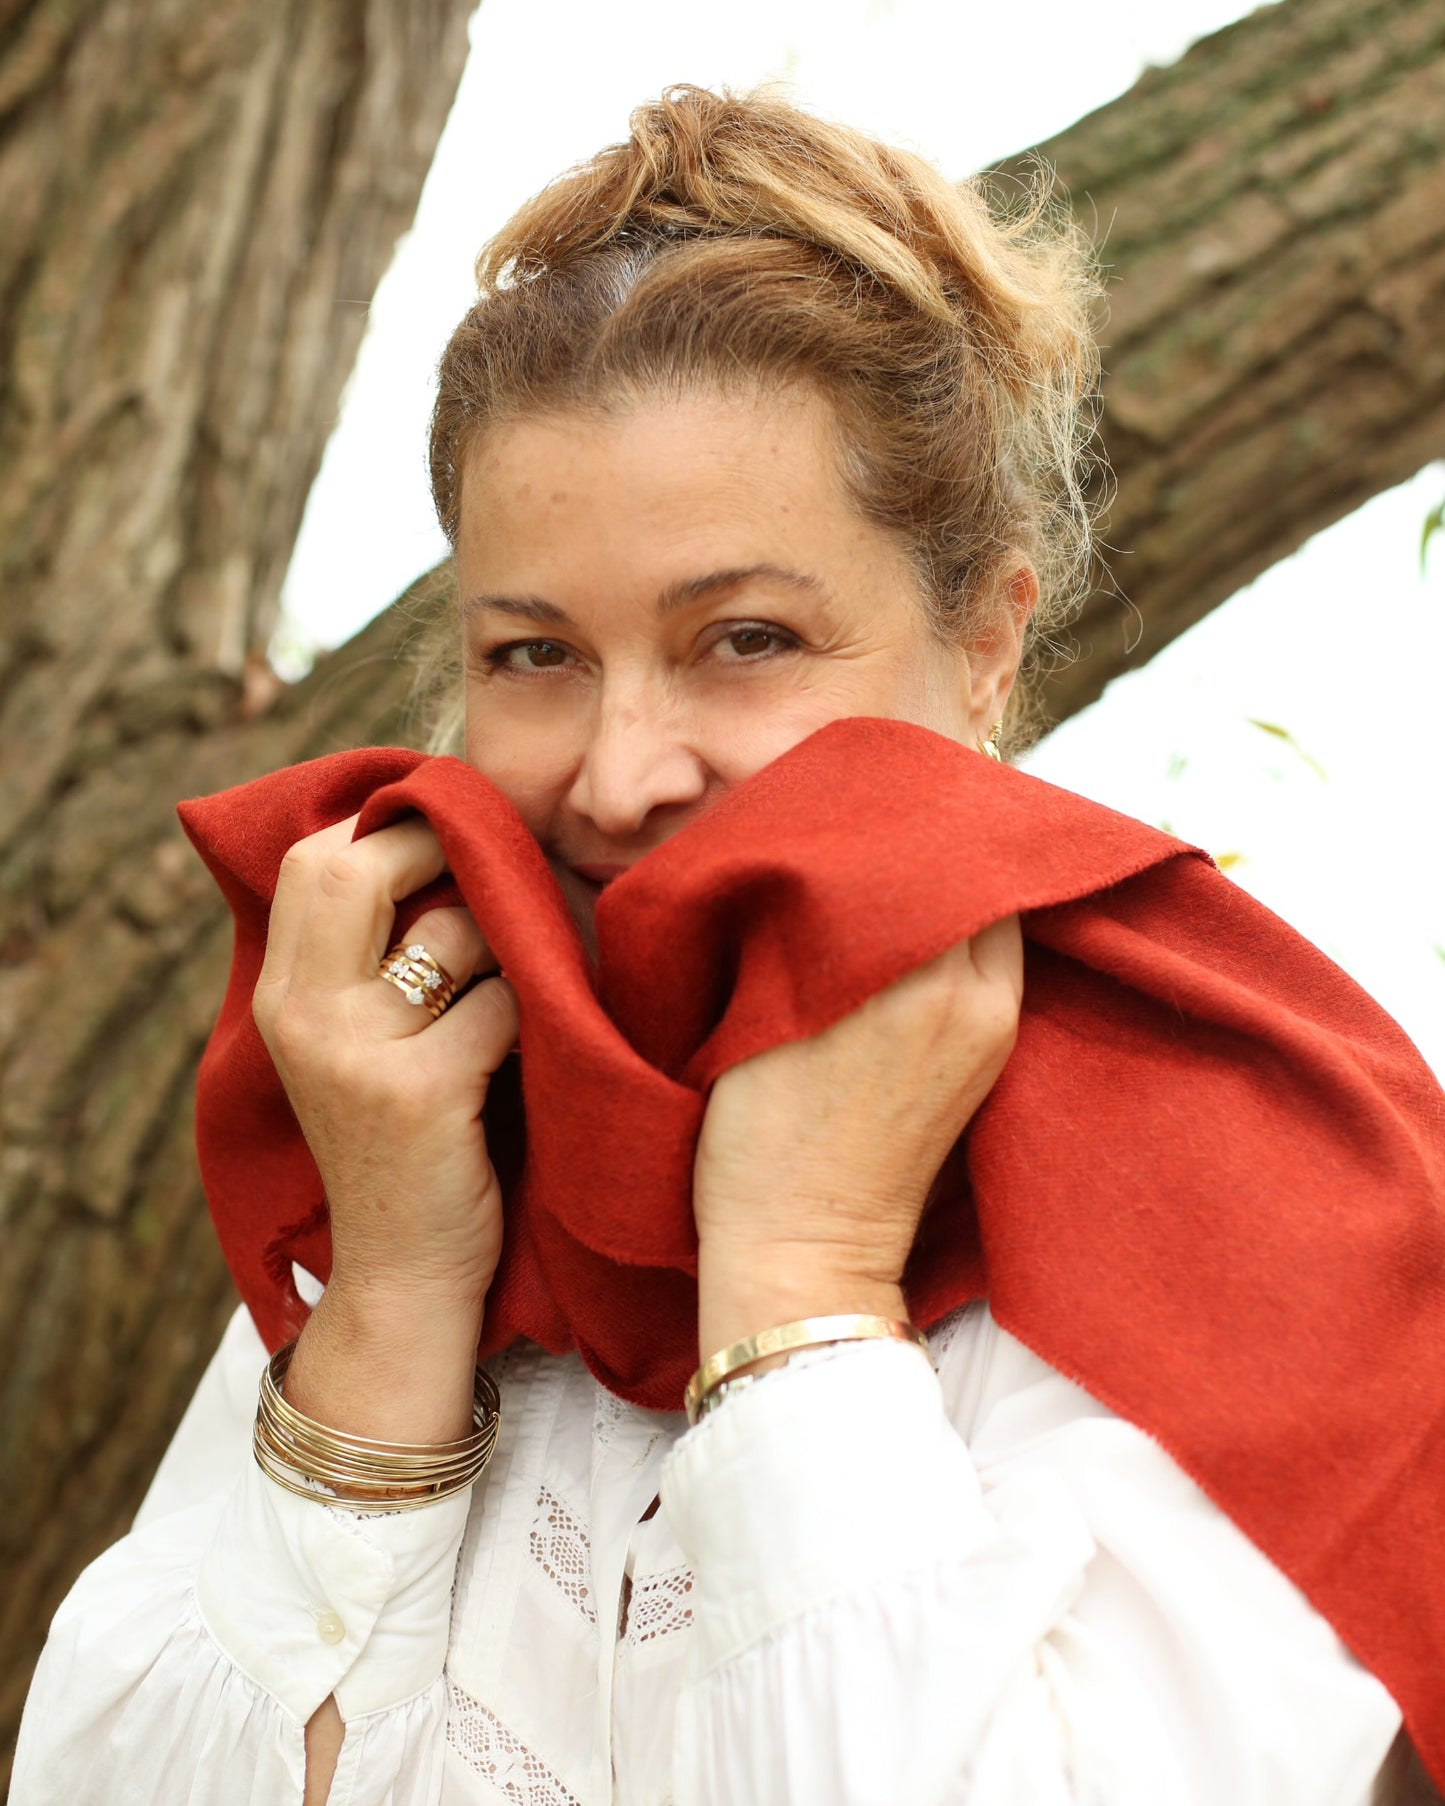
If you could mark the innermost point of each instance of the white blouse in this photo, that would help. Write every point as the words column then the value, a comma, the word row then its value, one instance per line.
column 867, row 1585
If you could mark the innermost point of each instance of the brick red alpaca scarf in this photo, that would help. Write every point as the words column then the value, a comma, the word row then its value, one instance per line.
column 1209, row 1186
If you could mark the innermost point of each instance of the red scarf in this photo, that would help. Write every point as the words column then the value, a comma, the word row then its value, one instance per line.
column 1209, row 1186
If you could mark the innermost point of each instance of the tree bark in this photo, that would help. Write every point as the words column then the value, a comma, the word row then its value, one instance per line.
column 198, row 199
column 1273, row 209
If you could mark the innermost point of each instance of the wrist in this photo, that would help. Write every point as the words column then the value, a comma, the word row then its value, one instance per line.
column 400, row 1296
column 743, row 1290
column 388, row 1366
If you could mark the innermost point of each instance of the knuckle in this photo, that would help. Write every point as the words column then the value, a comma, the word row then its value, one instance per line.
column 304, row 856
column 342, row 868
column 297, row 861
column 265, row 1003
column 992, row 1009
column 300, row 864
column 316, row 1048
column 1004, row 1027
column 285, row 1033
column 995, row 1032
column 979, row 1015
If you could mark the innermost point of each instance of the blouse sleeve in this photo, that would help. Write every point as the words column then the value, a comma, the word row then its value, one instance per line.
column 1047, row 1614
column 186, row 1660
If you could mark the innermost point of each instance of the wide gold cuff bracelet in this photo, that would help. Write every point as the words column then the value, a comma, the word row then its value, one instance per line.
column 788, row 1338
column 359, row 1473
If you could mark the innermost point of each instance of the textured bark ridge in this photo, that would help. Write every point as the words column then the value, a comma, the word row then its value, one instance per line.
column 196, row 203
column 1273, row 209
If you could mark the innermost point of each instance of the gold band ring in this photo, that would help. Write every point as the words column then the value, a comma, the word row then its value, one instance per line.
column 420, row 979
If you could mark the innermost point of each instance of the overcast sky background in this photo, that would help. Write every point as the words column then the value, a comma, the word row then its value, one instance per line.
column 1338, row 828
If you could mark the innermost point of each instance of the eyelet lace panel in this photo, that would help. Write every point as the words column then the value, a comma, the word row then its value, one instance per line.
column 608, row 1415
column 559, row 1546
column 500, row 1756
column 614, row 1421
column 943, row 1335
column 658, row 1605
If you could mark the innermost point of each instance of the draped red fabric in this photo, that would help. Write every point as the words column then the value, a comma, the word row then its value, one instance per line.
column 1209, row 1186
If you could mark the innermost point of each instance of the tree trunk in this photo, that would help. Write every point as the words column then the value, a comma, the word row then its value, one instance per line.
column 198, row 200
column 1273, row 208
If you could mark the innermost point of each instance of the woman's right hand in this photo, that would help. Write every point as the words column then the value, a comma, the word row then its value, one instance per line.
column 390, row 1103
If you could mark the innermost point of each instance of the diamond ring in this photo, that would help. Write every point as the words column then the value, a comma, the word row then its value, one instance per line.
column 419, row 978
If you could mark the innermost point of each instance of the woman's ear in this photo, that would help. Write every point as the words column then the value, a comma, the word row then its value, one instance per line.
column 993, row 659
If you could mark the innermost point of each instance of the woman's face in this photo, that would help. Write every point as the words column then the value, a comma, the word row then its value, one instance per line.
column 656, row 605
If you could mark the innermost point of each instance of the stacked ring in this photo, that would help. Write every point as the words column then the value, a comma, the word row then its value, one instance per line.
column 419, row 978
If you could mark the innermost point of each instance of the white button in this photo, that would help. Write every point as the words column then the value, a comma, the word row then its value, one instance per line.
column 330, row 1629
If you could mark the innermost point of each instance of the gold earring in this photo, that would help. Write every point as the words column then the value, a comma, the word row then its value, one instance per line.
column 990, row 746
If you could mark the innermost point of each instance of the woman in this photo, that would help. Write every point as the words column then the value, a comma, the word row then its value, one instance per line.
column 756, row 426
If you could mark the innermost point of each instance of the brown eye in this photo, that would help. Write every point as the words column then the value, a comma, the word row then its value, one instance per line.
column 542, row 655
column 753, row 638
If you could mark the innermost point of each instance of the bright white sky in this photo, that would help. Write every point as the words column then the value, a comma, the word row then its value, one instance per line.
column 1338, row 829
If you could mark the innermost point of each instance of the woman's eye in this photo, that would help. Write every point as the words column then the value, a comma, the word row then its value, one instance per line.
column 753, row 642
column 542, row 655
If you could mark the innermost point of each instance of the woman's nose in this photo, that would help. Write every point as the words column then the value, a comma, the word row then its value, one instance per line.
column 636, row 759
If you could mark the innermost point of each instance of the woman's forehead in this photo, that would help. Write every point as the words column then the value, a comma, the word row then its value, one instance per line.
column 686, row 439
column 698, row 482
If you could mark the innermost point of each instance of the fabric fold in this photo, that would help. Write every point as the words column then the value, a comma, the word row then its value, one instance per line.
column 1212, row 1171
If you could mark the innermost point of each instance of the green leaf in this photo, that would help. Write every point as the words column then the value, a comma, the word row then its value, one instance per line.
column 1434, row 523
column 1277, row 732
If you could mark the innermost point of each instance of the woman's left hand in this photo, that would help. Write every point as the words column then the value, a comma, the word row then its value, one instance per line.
column 816, row 1157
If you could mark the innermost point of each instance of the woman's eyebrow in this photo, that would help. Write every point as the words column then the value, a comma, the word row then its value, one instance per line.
column 680, row 594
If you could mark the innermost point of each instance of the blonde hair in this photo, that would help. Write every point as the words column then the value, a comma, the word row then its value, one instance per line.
column 738, row 241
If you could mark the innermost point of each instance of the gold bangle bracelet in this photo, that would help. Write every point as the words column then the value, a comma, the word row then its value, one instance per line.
column 361, row 1473
column 788, row 1338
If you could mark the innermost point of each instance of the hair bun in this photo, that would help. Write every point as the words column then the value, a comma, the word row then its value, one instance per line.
column 700, row 164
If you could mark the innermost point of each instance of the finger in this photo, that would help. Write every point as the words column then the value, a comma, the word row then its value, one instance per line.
column 456, row 943
column 480, row 1029
column 348, row 922
column 292, row 896
column 998, row 955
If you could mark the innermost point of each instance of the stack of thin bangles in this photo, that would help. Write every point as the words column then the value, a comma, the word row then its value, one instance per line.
column 358, row 1472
